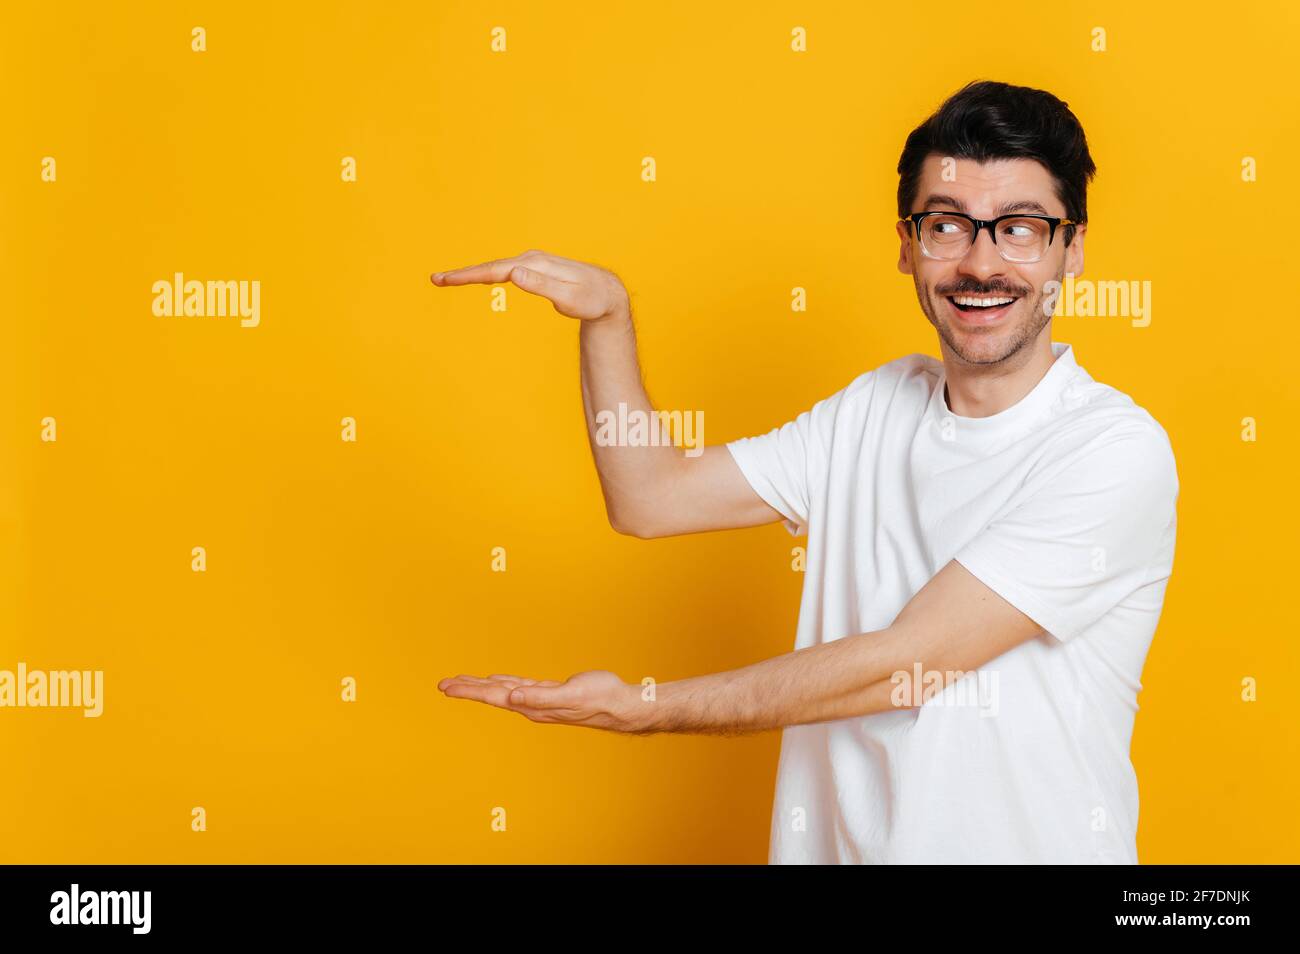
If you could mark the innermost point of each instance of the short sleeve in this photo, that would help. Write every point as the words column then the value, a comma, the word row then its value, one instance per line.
column 781, row 465
column 1093, row 532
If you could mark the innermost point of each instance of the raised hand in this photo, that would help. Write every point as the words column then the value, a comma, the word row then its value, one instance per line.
column 576, row 289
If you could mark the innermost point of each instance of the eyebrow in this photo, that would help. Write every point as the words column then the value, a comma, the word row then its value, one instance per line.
column 1024, row 205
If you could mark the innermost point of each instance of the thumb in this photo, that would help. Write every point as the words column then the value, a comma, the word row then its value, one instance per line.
column 539, row 283
column 541, row 697
column 524, row 278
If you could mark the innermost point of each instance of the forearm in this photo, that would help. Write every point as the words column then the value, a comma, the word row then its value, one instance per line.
column 633, row 478
column 852, row 676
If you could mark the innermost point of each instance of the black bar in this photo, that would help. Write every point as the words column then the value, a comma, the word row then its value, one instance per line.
column 492, row 904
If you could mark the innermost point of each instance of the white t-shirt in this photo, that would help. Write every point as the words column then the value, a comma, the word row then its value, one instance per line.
column 1064, row 504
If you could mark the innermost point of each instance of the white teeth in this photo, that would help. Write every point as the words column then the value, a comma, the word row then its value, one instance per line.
column 981, row 302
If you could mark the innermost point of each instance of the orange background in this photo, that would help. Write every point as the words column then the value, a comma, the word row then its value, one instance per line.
column 328, row 559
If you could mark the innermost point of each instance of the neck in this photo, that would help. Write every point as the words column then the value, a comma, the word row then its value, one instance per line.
column 982, row 390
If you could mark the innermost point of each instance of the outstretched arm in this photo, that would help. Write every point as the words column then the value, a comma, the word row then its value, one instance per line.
column 954, row 625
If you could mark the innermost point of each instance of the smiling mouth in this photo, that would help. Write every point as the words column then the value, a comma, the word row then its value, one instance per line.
column 983, row 310
column 980, row 304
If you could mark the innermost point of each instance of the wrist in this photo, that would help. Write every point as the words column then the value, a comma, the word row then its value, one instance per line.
column 619, row 315
column 652, row 713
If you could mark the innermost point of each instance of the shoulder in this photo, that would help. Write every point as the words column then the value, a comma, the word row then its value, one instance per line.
column 912, row 375
column 1109, row 429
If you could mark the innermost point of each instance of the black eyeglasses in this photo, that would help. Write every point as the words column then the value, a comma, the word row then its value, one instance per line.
column 1019, row 237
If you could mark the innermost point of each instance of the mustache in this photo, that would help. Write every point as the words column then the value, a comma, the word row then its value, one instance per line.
column 969, row 286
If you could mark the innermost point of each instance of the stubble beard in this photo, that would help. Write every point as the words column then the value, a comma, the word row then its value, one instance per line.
column 1023, row 334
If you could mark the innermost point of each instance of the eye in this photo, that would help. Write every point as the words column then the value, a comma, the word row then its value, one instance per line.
column 1023, row 232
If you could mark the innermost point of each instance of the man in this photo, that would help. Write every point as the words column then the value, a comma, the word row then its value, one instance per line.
column 989, row 537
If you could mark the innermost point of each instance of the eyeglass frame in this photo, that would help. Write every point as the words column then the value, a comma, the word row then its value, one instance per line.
column 980, row 225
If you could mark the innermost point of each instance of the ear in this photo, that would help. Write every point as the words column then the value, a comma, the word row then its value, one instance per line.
column 904, row 229
column 1074, row 254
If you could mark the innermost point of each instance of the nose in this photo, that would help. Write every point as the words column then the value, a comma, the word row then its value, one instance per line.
column 982, row 261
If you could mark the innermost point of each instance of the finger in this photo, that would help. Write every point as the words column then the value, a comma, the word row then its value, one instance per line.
column 498, row 270
column 497, row 695
column 518, row 680
column 485, row 273
column 544, row 697
column 460, row 678
column 556, row 266
column 556, row 290
column 494, row 694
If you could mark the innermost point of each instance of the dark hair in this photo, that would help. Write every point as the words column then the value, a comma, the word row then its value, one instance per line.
column 987, row 120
